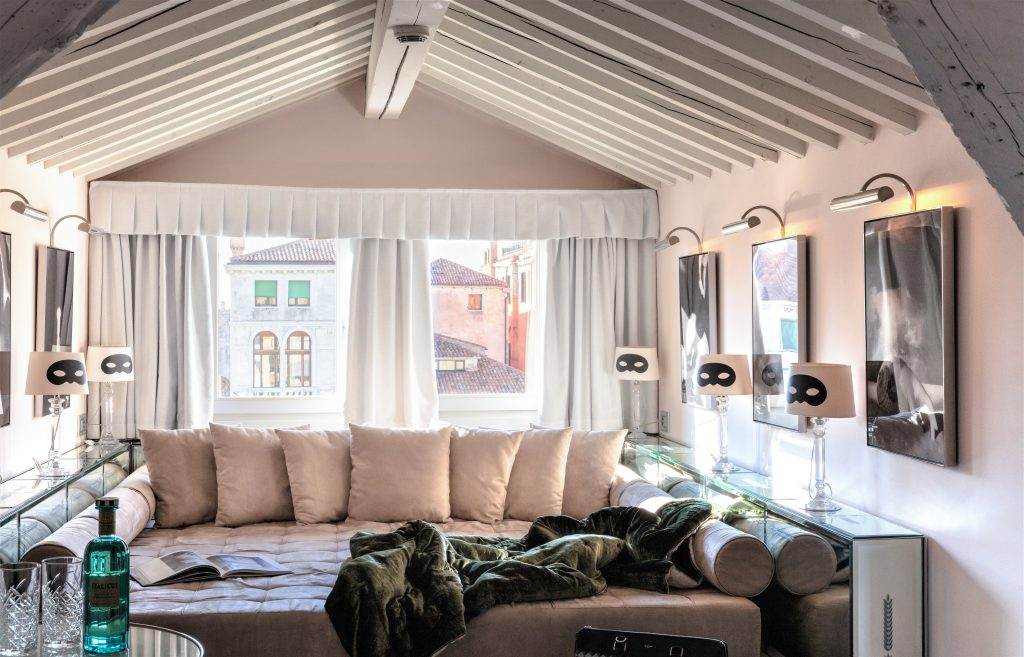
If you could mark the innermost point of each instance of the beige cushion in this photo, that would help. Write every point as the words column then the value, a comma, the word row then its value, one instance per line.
column 481, row 463
column 252, row 478
column 183, row 471
column 735, row 562
column 538, row 475
column 319, row 465
column 400, row 474
column 589, row 470
column 805, row 563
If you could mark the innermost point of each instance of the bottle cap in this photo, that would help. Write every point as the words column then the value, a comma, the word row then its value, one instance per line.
column 106, row 503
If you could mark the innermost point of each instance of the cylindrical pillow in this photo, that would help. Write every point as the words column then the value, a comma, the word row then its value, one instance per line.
column 683, row 488
column 805, row 563
column 735, row 562
column 624, row 476
column 644, row 495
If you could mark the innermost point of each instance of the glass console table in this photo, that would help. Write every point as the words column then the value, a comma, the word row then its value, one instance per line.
column 887, row 562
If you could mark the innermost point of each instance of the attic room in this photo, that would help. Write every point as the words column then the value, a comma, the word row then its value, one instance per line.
column 511, row 328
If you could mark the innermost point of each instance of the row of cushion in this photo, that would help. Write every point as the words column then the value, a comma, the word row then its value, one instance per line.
column 236, row 475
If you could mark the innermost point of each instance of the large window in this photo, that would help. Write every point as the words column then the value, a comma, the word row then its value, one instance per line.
column 266, row 361
column 266, row 293
column 298, row 293
column 300, row 360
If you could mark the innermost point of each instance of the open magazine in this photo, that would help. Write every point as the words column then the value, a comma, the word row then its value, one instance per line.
column 187, row 566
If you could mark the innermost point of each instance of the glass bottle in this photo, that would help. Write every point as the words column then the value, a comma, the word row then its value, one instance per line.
column 106, row 586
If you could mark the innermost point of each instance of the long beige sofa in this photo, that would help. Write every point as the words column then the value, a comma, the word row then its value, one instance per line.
column 284, row 615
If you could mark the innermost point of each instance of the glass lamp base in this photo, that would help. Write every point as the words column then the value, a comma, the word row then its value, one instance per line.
column 821, row 503
column 723, row 466
column 53, row 471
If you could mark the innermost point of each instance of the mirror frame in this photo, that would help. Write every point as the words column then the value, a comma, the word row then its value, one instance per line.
column 710, row 281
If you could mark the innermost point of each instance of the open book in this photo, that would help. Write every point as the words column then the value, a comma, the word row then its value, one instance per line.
column 187, row 566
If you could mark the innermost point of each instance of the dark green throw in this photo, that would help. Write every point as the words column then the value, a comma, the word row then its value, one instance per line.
column 410, row 592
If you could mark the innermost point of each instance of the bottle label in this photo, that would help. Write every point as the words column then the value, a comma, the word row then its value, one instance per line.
column 104, row 592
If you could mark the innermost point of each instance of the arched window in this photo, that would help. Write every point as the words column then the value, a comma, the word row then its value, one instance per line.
column 266, row 361
column 300, row 360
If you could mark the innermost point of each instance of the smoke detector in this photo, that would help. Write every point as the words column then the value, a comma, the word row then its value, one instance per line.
column 411, row 33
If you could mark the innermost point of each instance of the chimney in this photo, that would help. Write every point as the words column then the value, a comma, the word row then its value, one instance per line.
column 237, row 246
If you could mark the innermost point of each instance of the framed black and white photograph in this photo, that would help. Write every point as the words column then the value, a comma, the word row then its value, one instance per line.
column 910, row 342
column 779, row 325
column 698, row 320
column 55, row 302
column 5, row 329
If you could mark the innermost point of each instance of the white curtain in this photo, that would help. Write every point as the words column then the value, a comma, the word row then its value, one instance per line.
column 156, row 294
column 600, row 294
column 390, row 370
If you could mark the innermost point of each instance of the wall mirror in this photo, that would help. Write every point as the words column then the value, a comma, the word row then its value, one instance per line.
column 779, row 274
column 55, row 290
column 909, row 335
column 5, row 329
column 698, row 320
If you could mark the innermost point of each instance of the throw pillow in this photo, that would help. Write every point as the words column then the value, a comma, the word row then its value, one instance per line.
column 481, row 464
column 400, row 474
column 252, row 478
column 589, row 470
column 538, row 474
column 319, row 465
column 183, row 473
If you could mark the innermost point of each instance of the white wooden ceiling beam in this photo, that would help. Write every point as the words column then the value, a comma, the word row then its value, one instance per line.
column 576, row 148
column 107, row 140
column 524, row 33
column 184, row 138
column 680, row 132
column 394, row 66
column 565, row 116
column 202, row 116
column 152, row 77
column 123, row 15
column 856, row 18
column 620, row 87
column 771, row 58
column 157, row 107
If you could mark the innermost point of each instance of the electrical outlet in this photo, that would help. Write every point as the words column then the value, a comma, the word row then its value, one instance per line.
column 81, row 425
column 663, row 421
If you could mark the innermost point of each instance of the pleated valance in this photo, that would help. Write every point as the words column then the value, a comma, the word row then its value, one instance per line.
column 153, row 208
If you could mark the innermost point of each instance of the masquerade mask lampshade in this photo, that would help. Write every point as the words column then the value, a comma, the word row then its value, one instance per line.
column 110, row 364
column 820, row 390
column 636, row 363
column 56, row 373
column 724, row 374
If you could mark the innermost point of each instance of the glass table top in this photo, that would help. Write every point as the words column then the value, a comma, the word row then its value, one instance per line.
column 147, row 641
column 785, row 498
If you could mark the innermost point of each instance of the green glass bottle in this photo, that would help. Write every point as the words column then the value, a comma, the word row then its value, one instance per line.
column 106, row 586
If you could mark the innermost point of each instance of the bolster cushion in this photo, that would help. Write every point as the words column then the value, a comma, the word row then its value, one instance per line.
column 805, row 563
column 136, row 506
column 735, row 562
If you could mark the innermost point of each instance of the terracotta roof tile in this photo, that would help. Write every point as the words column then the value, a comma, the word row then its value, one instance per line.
column 445, row 273
column 490, row 377
column 308, row 251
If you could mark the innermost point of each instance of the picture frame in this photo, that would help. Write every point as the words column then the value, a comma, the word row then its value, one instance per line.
column 6, row 347
column 779, row 326
column 698, row 321
column 910, row 334
column 55, row 305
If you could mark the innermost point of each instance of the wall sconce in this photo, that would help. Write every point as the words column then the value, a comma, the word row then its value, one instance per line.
column 748, row 221
column 671, row 240
column 868, row 196
column 22, row 207
column 83, row 226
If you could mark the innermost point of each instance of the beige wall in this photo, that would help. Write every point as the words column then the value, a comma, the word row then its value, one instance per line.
column 28, row 436
column 326, row 142
column 451, row 316
column 972, row 514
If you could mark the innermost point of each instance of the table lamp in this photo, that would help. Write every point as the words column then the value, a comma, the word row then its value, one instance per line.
column 636, row 364
column 57, row 374
column 820, row 391
column 107, row 366
column 723, row 376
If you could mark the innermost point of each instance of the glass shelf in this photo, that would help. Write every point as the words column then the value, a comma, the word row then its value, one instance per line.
column 659, row 459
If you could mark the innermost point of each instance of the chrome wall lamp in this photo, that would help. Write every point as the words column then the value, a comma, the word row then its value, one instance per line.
column 83, row 226
column 672, row 239
column 748, row 221
column 22, row 207
column 868, row 196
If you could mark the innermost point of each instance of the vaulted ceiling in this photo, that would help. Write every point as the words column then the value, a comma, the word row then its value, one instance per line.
column 661, row 91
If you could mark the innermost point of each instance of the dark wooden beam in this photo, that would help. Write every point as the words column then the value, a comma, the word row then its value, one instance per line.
column 970, row 58
column 33, row 31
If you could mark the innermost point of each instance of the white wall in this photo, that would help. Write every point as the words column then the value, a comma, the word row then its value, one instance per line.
column 28, row 436
column 972, row 513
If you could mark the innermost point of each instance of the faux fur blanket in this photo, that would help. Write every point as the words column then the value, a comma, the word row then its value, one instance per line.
column 410, row 592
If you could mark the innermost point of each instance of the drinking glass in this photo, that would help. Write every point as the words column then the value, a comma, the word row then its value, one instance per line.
column 63, row 602
column 19, row 609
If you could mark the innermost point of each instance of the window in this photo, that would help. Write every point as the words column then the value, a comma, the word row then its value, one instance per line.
column 298, row 293
column 788, row 333
column 266, row 361
column 476, row 302
column 266, row 293
column 300, row 360
column 523, row 294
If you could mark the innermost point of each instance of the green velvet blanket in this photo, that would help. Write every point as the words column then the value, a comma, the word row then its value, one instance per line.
column 410, row 592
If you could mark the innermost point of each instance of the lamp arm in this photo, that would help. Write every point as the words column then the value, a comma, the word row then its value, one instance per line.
column 53, row 229
column 910, row 190
column 16, row 193
column 782, row 222
column 700, row 242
